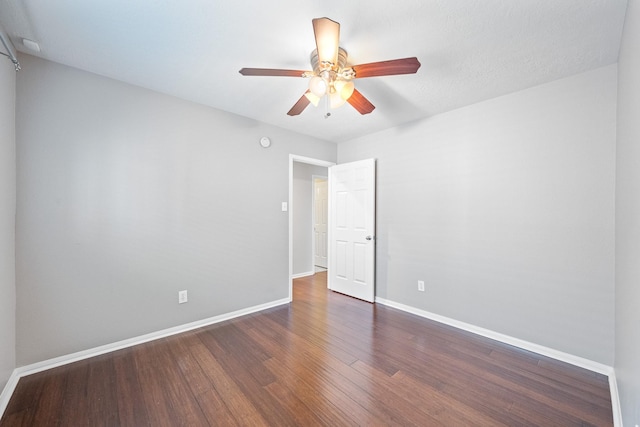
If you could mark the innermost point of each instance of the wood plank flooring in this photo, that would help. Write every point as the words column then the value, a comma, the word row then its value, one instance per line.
column 325, row 359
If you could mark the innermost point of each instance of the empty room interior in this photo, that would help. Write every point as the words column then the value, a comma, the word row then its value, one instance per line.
column 170, row 172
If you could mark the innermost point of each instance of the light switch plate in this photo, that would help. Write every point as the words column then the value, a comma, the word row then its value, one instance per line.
column 285, row 206
column 182, row 297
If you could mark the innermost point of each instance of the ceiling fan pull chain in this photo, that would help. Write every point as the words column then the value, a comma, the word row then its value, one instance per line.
column 327, row 113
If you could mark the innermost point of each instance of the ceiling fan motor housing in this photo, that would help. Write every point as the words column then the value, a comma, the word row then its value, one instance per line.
column 318, row 67
column 331, row 74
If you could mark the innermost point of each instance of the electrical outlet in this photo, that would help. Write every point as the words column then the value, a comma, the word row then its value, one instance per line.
column 182, row 297
column 421, row 285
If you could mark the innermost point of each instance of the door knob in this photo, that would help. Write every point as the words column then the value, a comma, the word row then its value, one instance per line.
column 369, row 238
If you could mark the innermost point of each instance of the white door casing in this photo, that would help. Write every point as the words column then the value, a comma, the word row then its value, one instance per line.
column 293, row 158
column 351, row 229
column 320, row 214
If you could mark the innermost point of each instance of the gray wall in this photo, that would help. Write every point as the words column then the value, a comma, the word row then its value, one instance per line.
column 303, row 215
column 506, row 210
column 627, row 364
column 126, row 196
column 7, row 220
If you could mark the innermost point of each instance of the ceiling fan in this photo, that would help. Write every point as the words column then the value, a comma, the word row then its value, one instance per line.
column 331, row 76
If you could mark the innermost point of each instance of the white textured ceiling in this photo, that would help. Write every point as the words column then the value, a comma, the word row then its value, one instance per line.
column 470, row 50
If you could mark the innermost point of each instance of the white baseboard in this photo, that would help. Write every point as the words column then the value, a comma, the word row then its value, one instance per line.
column 615, row 400
column 23, row 371
column 305, row 274
column 526, row 345
column 7, row 391
column 545, row 351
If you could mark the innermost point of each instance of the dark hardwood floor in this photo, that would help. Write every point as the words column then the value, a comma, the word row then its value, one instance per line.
column 325, row 359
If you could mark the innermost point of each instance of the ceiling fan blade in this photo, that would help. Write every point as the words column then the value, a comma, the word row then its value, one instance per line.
column 360, row 103
column 327, row 33
column 299, row 106
column 271, row 72
column 387, row 68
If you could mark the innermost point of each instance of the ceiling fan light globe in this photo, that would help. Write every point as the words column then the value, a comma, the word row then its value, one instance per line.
column 335, row 100
column 318, row 86
column 313, row 98
column 345, row 88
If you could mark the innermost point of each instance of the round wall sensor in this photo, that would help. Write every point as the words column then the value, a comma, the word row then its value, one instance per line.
column 265, row 142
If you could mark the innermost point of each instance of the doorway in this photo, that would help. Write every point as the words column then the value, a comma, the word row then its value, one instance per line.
column 293, row 218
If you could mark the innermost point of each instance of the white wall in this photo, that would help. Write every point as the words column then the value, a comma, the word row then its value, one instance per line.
column 303, row 215
column 126, row 196
column 7, row 220
column 627, row 363
column 506, row 210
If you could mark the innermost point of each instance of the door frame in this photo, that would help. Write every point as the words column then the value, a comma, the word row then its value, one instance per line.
column 300, row 159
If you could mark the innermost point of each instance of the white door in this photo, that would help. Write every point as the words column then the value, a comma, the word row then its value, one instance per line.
column 320, row 212
column 351, row 229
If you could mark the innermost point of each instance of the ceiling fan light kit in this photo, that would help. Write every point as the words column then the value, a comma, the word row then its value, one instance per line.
column 331, row 78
